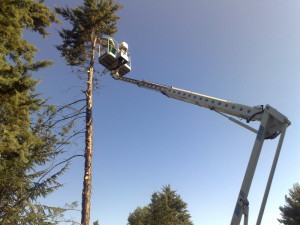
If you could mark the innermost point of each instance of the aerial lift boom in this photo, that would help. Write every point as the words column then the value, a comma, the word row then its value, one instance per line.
column 272, row 124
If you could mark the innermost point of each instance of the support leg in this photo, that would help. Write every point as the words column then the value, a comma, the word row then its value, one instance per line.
column 237, row 215
column 264, row 201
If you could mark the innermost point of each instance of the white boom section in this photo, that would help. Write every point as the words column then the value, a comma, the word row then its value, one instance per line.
column 219, row 105
column 272, row 123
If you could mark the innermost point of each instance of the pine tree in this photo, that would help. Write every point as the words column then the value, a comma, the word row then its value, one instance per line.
column 166, row 208
column 92, row 20
column 27, row 141
column 291, row 211
column 140, row 216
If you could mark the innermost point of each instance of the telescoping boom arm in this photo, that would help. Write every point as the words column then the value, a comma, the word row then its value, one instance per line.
column 219, row 105
column 272, row 124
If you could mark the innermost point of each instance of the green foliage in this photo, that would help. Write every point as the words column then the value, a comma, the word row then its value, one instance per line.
column 166, row 208
column 15, row 16
column 140, row 216
column 94, row 19
column 96, row 223
column 27, row 139
column 291, row 211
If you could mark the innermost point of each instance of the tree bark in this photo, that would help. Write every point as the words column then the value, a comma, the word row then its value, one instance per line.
column 87, row 180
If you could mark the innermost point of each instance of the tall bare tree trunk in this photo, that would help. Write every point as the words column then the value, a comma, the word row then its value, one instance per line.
column 87, row 180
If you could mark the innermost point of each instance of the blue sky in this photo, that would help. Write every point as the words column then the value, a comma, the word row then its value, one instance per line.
column 242, row 51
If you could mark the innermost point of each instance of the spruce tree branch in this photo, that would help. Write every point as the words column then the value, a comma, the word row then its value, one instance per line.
column 60, row 109
column 64, row 208
column 67, row 160
column 78, row 110
column 74, row 114
column 69, row 138
column 68, row 221
column 65, row 118
column 73, row 87
column 56, row 150
column 70, row 104
column 70, row 122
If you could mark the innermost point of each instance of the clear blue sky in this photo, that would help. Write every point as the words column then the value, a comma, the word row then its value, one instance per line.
column 243, row 51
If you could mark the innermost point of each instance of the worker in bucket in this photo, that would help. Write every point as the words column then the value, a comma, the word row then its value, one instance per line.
column 123, row 53
column 111, row 45
column 109, row 42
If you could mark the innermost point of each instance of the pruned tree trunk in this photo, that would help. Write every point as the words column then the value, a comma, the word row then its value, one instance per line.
column 87, row 180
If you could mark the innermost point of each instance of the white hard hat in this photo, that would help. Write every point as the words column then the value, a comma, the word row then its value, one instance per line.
column 123, row 46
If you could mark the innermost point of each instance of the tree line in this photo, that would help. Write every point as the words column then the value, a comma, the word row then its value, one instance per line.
column 34, row 134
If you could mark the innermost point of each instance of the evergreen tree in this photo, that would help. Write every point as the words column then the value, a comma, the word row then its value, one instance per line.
column 92, row 20
column 166, row 208
column 27, row 141
column 291, row 211
column 140, row 216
